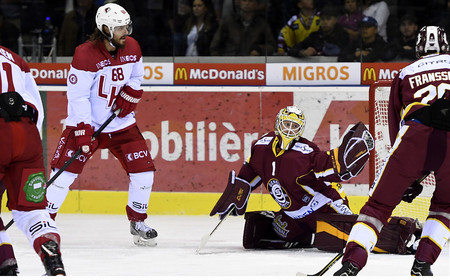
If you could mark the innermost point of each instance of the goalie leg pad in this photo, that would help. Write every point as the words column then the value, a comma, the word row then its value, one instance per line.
column 395, row 236
column 259, row 233
column 258, row 225
column 333, row 231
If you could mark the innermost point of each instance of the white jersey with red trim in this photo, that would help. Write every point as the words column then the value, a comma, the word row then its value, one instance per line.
column 95, row 78
column 15, row 76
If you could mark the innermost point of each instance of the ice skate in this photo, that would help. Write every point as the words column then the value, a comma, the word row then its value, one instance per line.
column 143, row 235
column 347, row 269
column 52, row 259
column 9, row 268
column 420, row 268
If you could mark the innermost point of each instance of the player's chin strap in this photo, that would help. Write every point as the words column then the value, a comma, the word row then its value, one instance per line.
column 75, row 155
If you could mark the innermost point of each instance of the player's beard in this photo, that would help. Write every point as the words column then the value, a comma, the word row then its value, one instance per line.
column 116, row 42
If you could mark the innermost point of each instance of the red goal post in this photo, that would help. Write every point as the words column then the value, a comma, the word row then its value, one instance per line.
column 378, row 127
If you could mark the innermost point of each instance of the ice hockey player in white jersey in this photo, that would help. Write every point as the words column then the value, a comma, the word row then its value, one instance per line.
column 22, row 172
column 106, row 75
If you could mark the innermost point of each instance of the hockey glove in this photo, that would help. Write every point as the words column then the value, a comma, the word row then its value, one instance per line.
column 351, row 156
column 234, row 198
column 127, row 100
column 83, row 138
column 412, row 192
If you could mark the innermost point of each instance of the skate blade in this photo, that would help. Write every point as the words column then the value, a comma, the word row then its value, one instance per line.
column 139, row 241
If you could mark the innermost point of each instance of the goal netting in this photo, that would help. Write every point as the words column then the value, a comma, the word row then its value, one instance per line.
column 378, row 126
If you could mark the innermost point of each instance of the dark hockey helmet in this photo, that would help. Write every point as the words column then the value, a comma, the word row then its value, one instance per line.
column 289, row 125
column 431, row 39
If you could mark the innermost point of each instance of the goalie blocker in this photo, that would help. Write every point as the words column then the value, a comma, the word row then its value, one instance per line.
column 331, row 234
column 234, row 198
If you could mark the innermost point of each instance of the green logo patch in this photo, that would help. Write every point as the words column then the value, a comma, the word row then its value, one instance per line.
column 34, row 187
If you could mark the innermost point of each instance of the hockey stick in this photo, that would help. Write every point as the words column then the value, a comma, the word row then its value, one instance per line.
column 326, row 268
column 74, row 156
column 207, row 236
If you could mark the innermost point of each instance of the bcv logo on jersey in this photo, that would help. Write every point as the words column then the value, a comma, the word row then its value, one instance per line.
column 136, row 155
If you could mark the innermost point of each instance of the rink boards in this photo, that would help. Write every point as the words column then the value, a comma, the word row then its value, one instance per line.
column 197, row 134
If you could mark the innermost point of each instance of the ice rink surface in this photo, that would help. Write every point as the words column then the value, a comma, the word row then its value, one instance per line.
column 101, row 247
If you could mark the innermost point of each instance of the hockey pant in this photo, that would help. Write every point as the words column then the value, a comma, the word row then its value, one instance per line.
column 139, row 191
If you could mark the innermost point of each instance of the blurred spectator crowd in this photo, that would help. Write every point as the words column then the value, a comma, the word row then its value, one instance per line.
column 347, row 30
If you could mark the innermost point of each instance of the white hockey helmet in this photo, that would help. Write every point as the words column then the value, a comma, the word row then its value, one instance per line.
column 431, row 39
column 289, row 125
column 112, row 15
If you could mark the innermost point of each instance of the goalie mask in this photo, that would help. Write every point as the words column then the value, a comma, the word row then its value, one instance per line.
column 289, row 125
column 112, row 15
column 431, row 39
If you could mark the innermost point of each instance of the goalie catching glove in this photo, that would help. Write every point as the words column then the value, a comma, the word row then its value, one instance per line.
column 234, row 198
column 351, row 156
column 127, row 100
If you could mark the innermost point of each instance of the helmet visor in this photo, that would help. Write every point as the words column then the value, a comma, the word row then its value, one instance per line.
column 121, row 28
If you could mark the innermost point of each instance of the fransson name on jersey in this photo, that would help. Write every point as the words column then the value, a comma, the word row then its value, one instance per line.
column 95, row 79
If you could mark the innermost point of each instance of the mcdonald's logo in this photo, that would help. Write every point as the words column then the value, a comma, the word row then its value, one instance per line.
column 369, row 74
column 181, row 74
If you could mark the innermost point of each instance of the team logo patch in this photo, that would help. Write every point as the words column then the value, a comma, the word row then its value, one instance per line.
column 73, row 79
column 280, row 227
column 34, row 187
column 278, row 193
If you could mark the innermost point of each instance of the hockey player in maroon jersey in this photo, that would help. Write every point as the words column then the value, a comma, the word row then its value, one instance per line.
column 299, row 176
column 22, row 171
column 419, row 121
column 106, row 75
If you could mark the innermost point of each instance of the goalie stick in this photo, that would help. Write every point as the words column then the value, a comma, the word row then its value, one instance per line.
column 207, row 236
column 341, row 254
column 74, row 156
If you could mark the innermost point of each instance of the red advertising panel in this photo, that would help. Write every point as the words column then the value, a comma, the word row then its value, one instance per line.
column 49, row 73
column 195, row 138
column 372, row 72
column 219, row 74
column 339, row 117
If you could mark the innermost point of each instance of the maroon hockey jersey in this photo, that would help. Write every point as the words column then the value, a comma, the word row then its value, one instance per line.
column 298, row 179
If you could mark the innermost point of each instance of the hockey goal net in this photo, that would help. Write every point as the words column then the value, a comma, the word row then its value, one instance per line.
column 378, row 126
